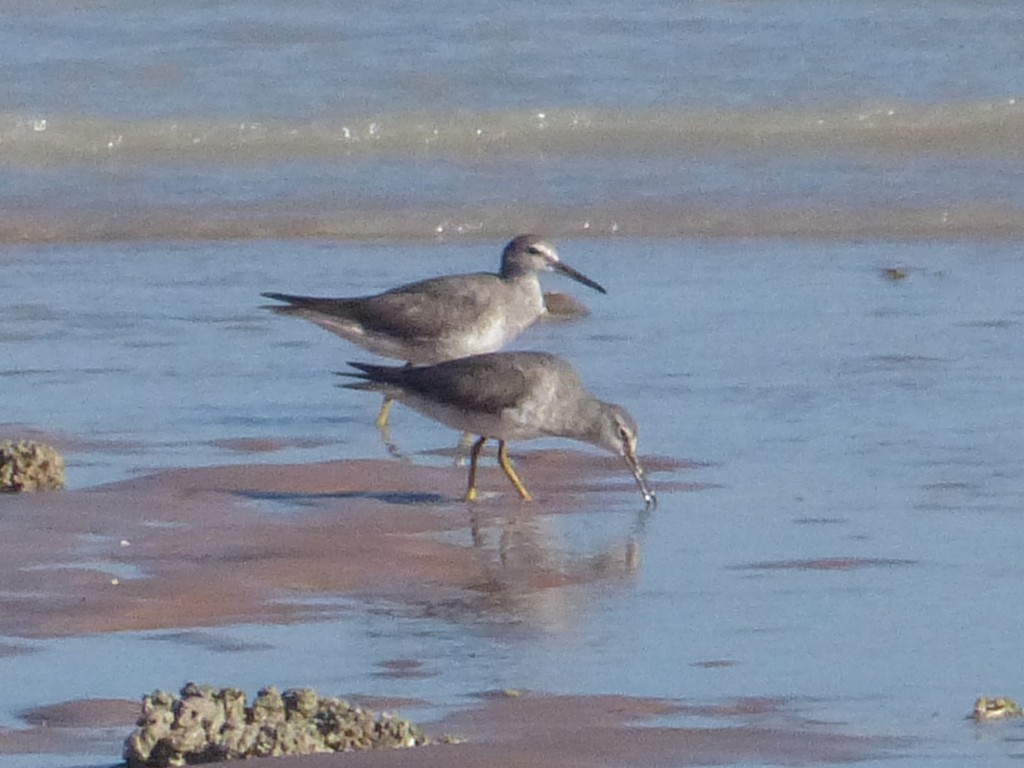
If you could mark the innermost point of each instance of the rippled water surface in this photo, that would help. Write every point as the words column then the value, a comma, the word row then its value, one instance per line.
column 309, row 119
column 808, row 218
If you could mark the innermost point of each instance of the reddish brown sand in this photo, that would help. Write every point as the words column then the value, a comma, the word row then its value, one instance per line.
column 508, row 731
column 225, row 545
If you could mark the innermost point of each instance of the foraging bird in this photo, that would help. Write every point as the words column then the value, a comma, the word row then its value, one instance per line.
column 509, row 396
column 442, row 318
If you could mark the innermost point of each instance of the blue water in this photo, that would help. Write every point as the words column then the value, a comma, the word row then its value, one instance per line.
column 738, row 174
column 304, row 119
column 314, row 59
column 838, row 414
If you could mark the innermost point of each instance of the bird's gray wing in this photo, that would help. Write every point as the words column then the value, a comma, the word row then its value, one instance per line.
column 429, row 309
column 484, row 383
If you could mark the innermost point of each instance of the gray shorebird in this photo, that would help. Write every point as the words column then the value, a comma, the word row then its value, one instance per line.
column 442, row 318
column 508, row 396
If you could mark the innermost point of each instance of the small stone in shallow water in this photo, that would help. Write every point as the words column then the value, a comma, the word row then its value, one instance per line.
column 26, row 465
column 206, row 725
column 894, row 273
column 995, row 708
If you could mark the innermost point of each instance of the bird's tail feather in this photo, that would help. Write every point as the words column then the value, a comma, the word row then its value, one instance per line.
column 372, row 377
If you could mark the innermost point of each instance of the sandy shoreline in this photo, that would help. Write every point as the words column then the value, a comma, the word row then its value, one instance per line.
column 194, row 548
column 221, row 545
column 526, row 729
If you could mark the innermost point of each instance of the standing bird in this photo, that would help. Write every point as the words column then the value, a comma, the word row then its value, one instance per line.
column 509, row 396
column 442, row 318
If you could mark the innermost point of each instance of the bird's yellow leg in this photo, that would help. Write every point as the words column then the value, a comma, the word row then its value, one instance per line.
column 382, row 417
column 473, row 456
column 511, row 473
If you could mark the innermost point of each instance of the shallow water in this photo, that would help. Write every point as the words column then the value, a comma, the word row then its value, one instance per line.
column 850, row 545
column 740, row 175
column 303, row 119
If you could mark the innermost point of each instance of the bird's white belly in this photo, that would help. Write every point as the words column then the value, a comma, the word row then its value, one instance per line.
column 489, row 337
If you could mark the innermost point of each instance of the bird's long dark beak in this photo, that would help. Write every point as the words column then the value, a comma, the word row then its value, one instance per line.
column 579, row 277
column 650, row 500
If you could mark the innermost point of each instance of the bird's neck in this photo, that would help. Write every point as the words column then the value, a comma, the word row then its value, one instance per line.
column 583, row 424
column 526, row 286
column 514, row 271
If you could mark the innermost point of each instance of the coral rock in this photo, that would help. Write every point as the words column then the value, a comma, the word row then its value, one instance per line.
column 206, row 725
column 30, row 466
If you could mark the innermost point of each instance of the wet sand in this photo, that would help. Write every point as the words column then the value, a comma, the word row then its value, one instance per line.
column 525, row 729
column 192, row 548
column 214, row 546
